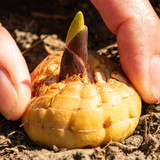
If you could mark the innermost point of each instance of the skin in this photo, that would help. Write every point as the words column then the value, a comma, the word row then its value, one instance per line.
column 138, row 36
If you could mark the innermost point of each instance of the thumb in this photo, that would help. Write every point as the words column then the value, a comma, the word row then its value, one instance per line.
column 138, row 36
column 15, row 89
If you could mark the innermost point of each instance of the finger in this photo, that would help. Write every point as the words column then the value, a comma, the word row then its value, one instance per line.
column 15, row 90
column 137, row 28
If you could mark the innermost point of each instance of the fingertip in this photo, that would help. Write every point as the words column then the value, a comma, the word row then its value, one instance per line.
column 154, row 72
column 24, row 95
column 8, row 96
column 138, row 73
column 146, row 94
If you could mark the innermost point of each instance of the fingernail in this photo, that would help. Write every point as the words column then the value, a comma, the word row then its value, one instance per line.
column 155, row 77
column 8, row 95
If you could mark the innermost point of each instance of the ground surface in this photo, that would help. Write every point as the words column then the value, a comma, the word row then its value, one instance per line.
column 53, row 18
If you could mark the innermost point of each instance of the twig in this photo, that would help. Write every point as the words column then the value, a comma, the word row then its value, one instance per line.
column 36, row 43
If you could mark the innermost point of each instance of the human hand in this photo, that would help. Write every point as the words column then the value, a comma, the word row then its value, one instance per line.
column 15, row 90
column 138, row 36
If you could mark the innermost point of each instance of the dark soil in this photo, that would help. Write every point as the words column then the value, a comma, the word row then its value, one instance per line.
column 53, row 17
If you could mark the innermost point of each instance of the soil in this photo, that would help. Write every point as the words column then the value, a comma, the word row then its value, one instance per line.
column 29, row 21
